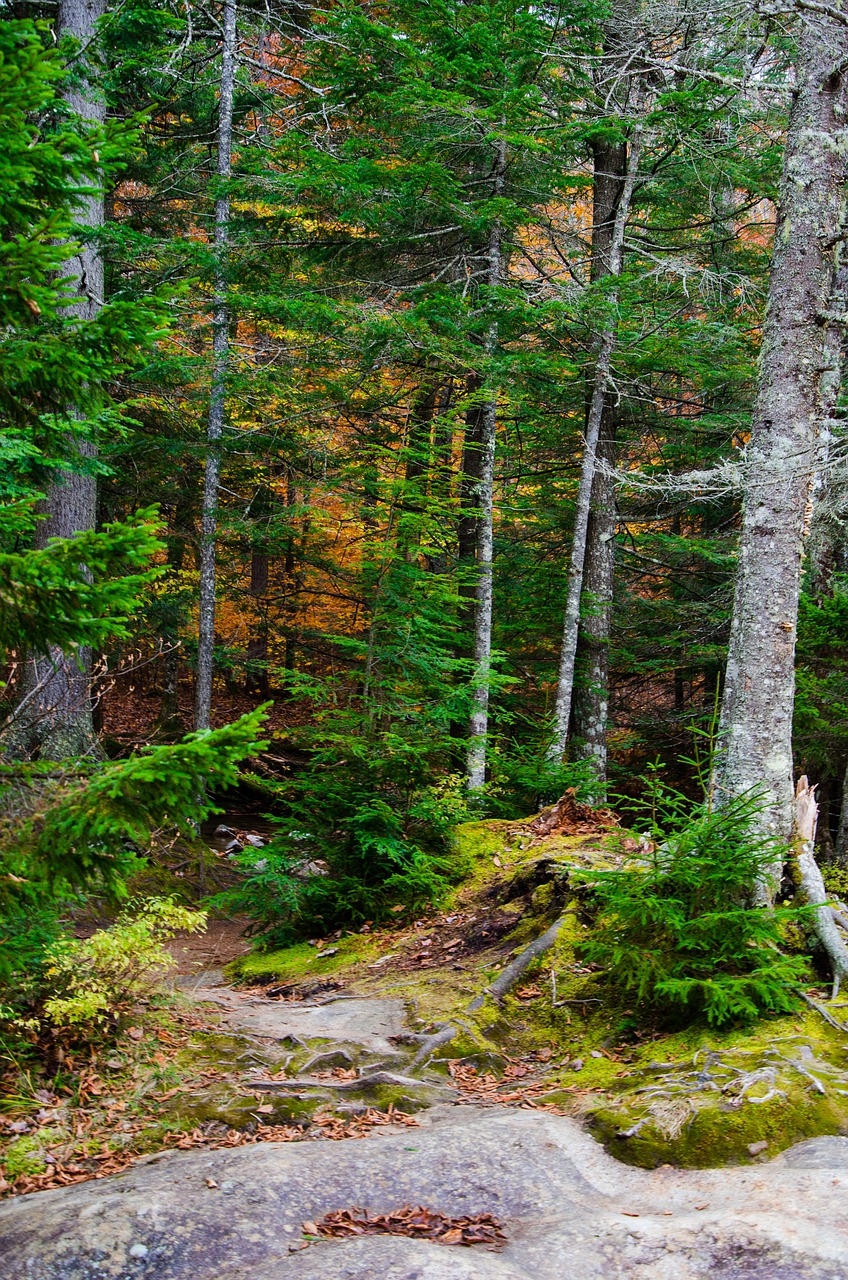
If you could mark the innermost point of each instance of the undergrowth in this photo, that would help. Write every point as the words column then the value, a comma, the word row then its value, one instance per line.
column 678, row 931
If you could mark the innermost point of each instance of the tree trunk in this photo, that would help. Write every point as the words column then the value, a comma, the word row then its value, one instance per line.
column 603, row 364
column 755, row 731
column 591, row 691
column 55, row 717
column 256, row 667
column 809, row 881
column 591, row 694
column 478, row 724
column 221, row 351
column 469, row 509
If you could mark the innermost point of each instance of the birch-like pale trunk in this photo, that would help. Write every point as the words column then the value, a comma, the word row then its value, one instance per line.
column 217, row 399
column 55, row 717
column 591, row 691
column 600, row 385
column 755, row 730
column 478, row 724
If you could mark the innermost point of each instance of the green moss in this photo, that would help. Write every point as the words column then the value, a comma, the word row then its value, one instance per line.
column 836, row 881
column 236, row 1110
column 701, row 1099
column 302, row 962
column 24, row 1157
column 476, row 842
column 713, row 1134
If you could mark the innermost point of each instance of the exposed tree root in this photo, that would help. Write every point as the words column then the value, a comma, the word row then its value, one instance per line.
column 497, row 990
column 825, row 1013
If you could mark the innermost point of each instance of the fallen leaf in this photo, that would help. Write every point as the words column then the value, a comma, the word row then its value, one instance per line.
column 210, row 1182
column 310, row 1228
column 135, row 1033
column 419, row 1223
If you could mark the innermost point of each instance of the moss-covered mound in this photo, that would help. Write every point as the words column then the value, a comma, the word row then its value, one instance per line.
column 695, row 1098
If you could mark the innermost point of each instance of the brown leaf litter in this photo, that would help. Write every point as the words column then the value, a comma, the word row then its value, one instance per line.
column 569, row 817
column 418, row 1223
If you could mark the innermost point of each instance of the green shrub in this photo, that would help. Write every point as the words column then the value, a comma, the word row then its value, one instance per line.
column 836, row 881
column 523, row 779
column 353, row 849
column 372, row 804
column 86, row 828
column 92, row 982
column 678, row 932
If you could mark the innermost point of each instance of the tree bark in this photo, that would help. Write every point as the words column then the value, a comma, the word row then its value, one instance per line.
column 469, row 509
column 217, row 400
column 478, row 724
column 591, row 693
column 591, row 690
column 603, row 365
column 755, row 731
column 256, row 668
column 56, row 716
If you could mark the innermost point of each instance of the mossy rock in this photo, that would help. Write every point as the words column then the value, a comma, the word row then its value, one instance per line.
column 714, row 1135
column 24, row 1157
column 302, row 963
column 735, row 1107
column 237, row 1110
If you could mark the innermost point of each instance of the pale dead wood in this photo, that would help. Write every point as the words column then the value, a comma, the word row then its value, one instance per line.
column 497, row 989
column 811, row 883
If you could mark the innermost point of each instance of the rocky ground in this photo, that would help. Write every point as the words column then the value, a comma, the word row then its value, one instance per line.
column 566, row 1208
column 300, row 1084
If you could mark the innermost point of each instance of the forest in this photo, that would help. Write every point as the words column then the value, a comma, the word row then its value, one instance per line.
column 422, row 485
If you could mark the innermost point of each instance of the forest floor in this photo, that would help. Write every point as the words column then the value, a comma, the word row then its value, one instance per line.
column 222, row 1061
column 317, row 1043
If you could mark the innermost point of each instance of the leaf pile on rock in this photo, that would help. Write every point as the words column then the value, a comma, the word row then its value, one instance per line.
column 334, row 1127
column 419, row 1223
column 488, row 1090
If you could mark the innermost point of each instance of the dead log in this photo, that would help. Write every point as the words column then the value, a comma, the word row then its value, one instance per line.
column 497, row 990
column 809, row 879
column 513, row 971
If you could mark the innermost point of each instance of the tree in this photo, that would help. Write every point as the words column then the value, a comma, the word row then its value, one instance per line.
column 59, row 344
column 217, row 400
column 608, row 231
column 61, row 707
column 755, row 731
